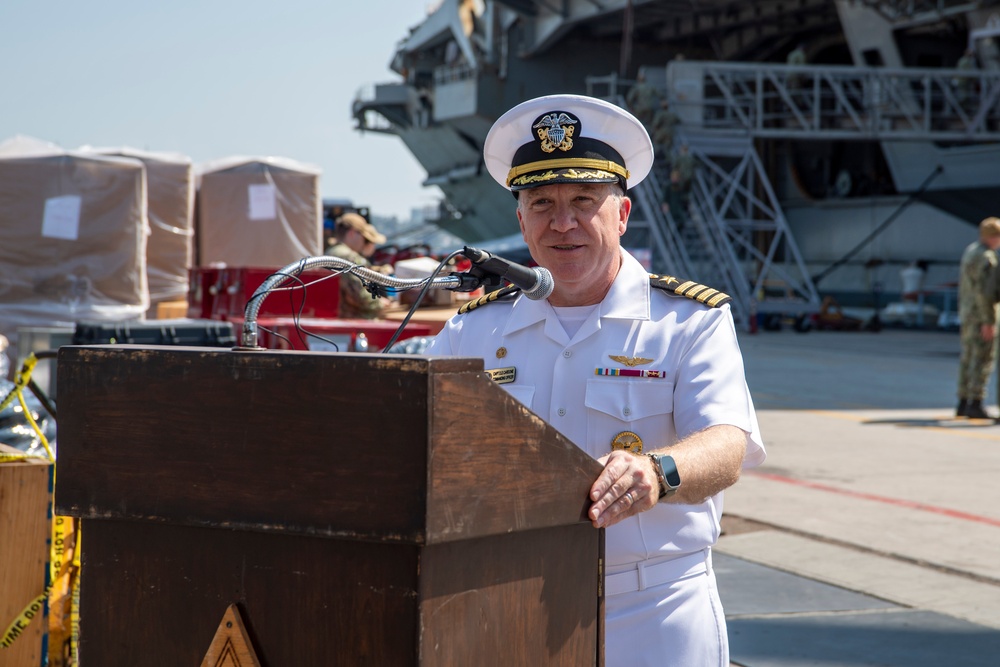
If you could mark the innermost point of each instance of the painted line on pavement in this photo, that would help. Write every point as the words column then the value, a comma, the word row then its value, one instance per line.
column 898, row 502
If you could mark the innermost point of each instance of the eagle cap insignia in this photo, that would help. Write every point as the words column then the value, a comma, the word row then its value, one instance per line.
column 556, row 130
column 630, row 361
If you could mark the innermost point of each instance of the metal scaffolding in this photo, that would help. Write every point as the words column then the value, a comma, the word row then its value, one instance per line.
column 736, row 237
column 837, row 102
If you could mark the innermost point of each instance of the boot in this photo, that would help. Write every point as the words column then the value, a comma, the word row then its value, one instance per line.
column 974, row 410
column 963, row 405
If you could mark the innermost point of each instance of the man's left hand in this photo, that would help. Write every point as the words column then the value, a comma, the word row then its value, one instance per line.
column 627, row 486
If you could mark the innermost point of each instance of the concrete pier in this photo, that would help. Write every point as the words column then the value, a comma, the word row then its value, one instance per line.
column 871, row 535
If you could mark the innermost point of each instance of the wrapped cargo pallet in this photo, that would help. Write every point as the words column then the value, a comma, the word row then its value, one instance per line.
column 257, row 212
column 170, row 197
column 74, row 237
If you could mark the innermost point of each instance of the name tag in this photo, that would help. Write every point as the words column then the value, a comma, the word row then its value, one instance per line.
column 502, row 375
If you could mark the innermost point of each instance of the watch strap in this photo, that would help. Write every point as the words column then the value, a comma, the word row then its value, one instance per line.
column 669, row 479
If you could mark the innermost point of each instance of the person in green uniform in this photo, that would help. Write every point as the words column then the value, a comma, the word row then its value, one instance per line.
column 977, row 312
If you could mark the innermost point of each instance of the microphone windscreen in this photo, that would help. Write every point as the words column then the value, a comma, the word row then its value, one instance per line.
column 543, row 286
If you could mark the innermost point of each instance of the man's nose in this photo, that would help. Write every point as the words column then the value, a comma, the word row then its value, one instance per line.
column 563, row 218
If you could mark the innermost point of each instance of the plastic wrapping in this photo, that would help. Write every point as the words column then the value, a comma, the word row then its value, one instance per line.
column 257, row 212
column 170, row 197
column 74, row 236
column 16, row 430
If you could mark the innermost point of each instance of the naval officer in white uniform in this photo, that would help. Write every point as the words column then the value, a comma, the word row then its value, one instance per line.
column 642, row 372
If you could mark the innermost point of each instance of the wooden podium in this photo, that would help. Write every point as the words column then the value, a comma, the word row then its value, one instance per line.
column 358, row 510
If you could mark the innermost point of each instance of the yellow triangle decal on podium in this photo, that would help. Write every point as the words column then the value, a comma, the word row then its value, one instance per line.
column 231, row 646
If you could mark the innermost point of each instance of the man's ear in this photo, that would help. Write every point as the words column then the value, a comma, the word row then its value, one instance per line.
column 623, row 212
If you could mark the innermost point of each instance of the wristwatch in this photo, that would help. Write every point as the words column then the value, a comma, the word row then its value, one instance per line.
column 666, row 473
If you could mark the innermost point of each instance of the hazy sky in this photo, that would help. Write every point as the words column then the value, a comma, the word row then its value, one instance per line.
column 213, row 79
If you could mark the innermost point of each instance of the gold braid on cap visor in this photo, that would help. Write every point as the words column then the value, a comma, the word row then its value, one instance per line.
column 580, row 162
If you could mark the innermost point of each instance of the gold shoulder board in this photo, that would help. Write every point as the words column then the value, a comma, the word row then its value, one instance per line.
column 701, row 293
column 509, row 290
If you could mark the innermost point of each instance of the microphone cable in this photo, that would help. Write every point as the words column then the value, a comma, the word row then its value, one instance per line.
column 420, row 297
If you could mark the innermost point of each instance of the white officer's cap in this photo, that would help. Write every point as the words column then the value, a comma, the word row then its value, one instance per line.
column 567, row 139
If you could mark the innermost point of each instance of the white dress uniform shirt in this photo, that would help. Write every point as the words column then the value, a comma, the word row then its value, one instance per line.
column 702, row 385
column 667, row 613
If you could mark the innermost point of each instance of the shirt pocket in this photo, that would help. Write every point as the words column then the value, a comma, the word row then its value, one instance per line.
column 523, row 393
column 644, row 407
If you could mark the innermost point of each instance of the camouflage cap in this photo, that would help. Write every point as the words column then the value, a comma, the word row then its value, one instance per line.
column 368, row 231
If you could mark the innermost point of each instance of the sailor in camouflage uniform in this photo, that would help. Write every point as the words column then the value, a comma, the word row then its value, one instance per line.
column 643, row 99
column 642, row 372
column 353, row 233
column 977, row 311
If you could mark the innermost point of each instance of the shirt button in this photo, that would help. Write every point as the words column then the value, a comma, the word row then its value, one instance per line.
column 567, row 353
column 561, row 412
column 627, row 411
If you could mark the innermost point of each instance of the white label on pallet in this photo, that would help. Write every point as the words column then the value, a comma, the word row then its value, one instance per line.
column 263, row 201
column 62, row 218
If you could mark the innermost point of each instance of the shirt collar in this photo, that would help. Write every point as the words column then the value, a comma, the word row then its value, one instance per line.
column 628, row 298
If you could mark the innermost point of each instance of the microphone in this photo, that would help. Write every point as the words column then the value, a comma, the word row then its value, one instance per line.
column 535, row 282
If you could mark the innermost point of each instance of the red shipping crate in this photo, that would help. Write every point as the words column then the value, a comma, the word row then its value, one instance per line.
column 223, row 293
column 328, row 335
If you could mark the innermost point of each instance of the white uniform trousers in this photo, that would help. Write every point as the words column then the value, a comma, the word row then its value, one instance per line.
column 679, row 623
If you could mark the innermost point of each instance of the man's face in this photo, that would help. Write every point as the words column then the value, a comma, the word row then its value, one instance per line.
column 573, row 230
column 355, row 241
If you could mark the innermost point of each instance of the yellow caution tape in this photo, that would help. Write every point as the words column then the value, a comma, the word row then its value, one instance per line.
column 58, row 547
column 64, row 594
column 21, row 380
column 10, row 457
column 65, row 539
column 35, row 427
column 74, row 609
column 23, row 619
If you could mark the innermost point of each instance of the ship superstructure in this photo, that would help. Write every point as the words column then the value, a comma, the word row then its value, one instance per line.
column 881, row 150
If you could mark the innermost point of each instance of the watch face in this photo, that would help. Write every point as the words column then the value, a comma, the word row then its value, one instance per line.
column 670, row 471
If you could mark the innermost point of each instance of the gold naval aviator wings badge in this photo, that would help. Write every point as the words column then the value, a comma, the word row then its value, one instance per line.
column 631, row 362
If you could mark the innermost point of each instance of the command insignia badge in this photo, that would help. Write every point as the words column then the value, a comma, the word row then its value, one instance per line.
column 628, row 441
